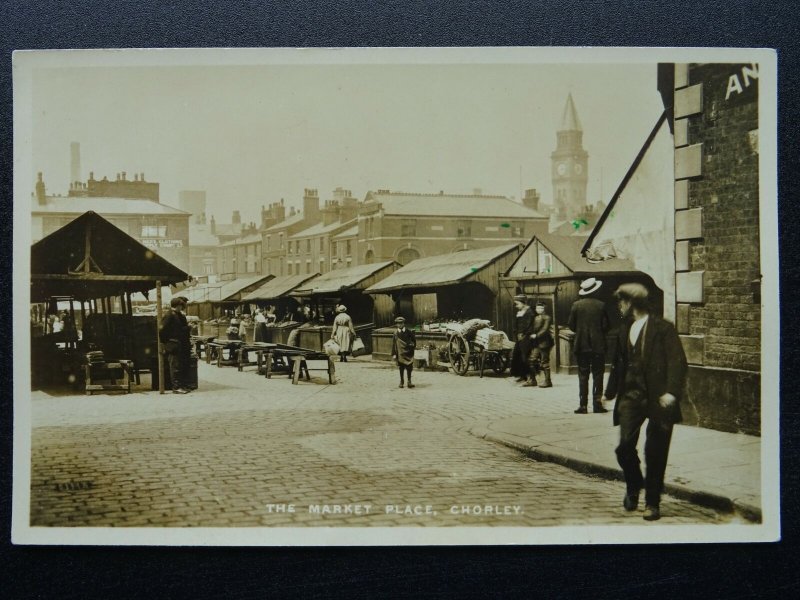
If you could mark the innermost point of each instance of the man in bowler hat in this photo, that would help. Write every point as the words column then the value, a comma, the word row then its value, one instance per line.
column 589, row 320
column 647, row 377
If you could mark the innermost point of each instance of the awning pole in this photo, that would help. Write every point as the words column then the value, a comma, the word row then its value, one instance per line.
column 158, row 339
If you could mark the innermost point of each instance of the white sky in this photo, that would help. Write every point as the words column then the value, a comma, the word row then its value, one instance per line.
column 250, row 135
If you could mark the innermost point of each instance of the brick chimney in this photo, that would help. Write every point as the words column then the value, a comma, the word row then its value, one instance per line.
column 330, row 214
column 531, row 199
column 213, row 227
column 311, row 210
column 349, row 209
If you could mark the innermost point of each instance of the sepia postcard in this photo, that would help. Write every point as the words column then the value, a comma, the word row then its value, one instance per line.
column 395, row 296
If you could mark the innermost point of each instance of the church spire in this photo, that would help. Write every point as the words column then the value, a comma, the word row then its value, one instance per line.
column 570, row 120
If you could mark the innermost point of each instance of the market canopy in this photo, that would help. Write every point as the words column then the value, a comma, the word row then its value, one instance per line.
column 232, row 290
column 443, row 269
column 348, row 279
column 91, row 258
column 278, row 287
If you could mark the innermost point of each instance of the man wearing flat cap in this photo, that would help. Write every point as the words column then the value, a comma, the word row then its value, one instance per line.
column 589, row 320
column 404, row 342
column 648, row 375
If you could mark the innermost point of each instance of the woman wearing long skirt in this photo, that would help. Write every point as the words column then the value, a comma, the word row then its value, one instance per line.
column 343, row 332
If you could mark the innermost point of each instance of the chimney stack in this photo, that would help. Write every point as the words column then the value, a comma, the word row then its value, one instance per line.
column 40, row 191
column 213, row 225
column 236, row 219
column 75, row 161
column 531, row 199
column 311, row 210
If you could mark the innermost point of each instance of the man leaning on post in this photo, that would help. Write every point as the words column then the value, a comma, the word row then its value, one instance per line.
column 175, row 340
column 647, row 377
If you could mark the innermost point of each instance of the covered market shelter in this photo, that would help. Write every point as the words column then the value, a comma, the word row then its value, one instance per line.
column 344, row 286
column 93, row 263
column 449, row 287
column 551, row 268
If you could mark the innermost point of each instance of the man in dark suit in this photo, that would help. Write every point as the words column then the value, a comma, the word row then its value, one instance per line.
column 589, row 320
column 523, row 328
column 404, row 342
column 647, row 377
column 175, row 340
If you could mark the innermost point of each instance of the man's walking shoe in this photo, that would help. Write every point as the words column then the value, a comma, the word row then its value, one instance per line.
column 631, row 500
column 401, row 384
column 530, row 382
column 651, row 513
column 180, row 391
column 599, row 408
column 519, row 379
column 581, row 410
column 411, row 385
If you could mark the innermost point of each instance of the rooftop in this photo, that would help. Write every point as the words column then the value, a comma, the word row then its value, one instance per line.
column 104, row 206
column 320, row 229
column 450, row 205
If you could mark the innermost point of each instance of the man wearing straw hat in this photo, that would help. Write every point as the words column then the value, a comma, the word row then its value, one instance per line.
column 589, row 320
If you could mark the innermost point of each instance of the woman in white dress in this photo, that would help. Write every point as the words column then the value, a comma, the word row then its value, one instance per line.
column 343, row 332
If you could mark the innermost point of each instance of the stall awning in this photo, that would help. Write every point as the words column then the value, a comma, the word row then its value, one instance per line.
column 278, row 287
column 91, row 258
column 349, row 279
column 204, row 292
column 639, row 221
column 443, row 269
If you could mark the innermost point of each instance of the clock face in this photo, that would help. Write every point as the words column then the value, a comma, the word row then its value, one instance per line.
column 579, row 169
column 561, row 168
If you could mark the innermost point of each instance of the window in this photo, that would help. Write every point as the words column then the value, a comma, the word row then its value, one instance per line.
column 322, row 244
column 308, row 266
column 408, row 228
column 348, row 248
column 517, row 229
column 269, row 238
column 321, row 265
column 280, row 237
column 289, row 247
column 297, row 267
column 288, row 268
column 464, row 228
column 154, row 231
column 308, row 245
column 545, row 261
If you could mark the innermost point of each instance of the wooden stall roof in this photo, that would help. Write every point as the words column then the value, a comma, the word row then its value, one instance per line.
column 91, row 258
column 567, row 250
column 278, row 287
column 443, row 269
column 349, row 279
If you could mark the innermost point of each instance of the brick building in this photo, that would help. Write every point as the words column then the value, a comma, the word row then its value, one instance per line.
column 711, row 238
column 280, row 227
column 162, row 228
column 402, row 226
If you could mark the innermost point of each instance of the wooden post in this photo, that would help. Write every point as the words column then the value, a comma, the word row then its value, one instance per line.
column 158, row 339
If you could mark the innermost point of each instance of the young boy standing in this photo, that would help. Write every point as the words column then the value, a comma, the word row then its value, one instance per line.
column 404, row 343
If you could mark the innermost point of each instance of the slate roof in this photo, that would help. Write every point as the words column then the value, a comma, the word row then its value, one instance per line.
column 278, row 287
column 104, row 206
column 341, row 279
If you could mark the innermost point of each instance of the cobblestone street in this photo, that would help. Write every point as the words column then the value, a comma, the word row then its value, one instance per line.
column 246, row 451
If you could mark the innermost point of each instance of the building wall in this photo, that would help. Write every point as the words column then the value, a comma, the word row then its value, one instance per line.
column 166, row 235
column 717, row 241
column 401, row 238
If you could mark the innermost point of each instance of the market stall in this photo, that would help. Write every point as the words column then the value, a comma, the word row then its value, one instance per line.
column 433, row 292
column 287, row 309
column 551, row 268
column 95, row 264
column 344, row 286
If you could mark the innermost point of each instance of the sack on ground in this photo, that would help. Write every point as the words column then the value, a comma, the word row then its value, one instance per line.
column 331, row 347
column 358, row 347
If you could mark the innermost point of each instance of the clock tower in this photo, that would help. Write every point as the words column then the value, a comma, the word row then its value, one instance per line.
column 569, row 166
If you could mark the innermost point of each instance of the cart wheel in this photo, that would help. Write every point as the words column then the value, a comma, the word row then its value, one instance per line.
column 458, row 351
column 500, row 363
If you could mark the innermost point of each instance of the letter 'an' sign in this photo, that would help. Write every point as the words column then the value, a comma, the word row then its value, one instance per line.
column 742, row 84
